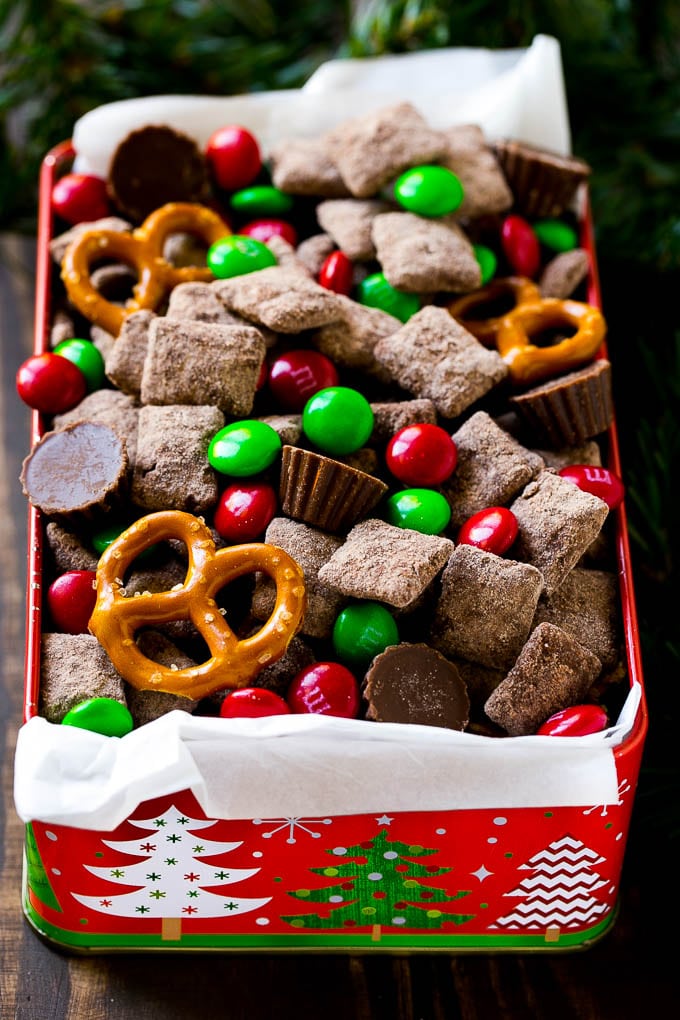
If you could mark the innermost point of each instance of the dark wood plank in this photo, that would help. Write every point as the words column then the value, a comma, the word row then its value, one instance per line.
column 627, row 974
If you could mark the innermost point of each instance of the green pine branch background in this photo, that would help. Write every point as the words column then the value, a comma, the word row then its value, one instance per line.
column 60, row 58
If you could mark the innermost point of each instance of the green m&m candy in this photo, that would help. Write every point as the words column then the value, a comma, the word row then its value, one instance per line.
column 101, row 715
column 429, row 190
column 376, row 292
column 424, row 510
column 244, row 448
column 87, row 358
column 363, row 631
column 237, row 255
column 556, row 235
column 487, row 261
column 103, row 538
column 261, row 200
column 338, row 420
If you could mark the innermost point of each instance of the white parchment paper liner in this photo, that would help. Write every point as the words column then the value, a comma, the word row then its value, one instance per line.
column 305, row 766
column 309, row 766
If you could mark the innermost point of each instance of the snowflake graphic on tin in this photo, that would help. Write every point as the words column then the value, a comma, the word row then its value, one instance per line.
column 291, row 825
column 624, row 787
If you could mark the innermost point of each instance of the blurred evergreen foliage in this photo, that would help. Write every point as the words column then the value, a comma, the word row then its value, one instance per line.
column 60, row 58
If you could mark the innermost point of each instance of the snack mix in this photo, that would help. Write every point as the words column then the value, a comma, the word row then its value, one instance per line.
column 325, row 426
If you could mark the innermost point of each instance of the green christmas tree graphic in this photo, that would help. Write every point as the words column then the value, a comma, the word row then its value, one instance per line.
column 381, row 887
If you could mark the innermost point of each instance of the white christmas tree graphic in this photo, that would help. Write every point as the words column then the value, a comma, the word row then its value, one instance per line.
column 173, row 878
column 559, row 893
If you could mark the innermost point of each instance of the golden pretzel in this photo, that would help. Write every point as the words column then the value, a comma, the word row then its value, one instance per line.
column 233, row 662
column 142, row 250
column 529, row 362
column 519, row 288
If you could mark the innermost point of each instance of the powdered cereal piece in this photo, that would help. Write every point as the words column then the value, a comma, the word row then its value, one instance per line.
column 389, row 417
column 288, row 426
column 486, row 607
column 278, row 676
column 373, row 148
column 492, row 467
column 433, row 356
column 108, row 407
column 286, row 255
column 183, row 250
column 63, row 327
column 199, row 302
column 68, row 550
column 314, row 251
column 586, row 606
column 59, row 244
column 350, row 340
column 285, row 301
column 147, row 705
column 564, row 273
column 125, row 362
column 172, row 470
column 75, row 668
column 114, row 281
column 552, row 672
column 587, row 453
column 413, row 683
column 304, row 166
column 349, row 222
column 419, row 254
column 211, row 365
column 557, row 522
column 102, row 340
column 311, row 549
column 473, row 161
column 389, row 564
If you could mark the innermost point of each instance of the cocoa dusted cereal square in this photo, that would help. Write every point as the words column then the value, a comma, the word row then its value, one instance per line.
column 380, row 561
column 211, row 365
column 473, row 161
column 557, row 522
column 74, row 668
column 350, row 340
column 172, row 468
column 586, row 606
column 312, row 549
column 486, row 607
column 553, row 671
column 424, row 255
column 304, row 166
column 433, row 356
column 284, row 300
column 373, row 148
column 492, row 467
column 124, row 362
column 350, row 223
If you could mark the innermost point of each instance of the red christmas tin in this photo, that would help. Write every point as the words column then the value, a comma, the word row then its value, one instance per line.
column 237, row 839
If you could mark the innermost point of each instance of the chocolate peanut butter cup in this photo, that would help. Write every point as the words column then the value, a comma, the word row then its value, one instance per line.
column 543, row 182
column 326, row 493
column 570, row 409
column 413, row 683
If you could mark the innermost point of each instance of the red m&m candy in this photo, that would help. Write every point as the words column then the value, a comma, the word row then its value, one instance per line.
column 325, row 688
column 598, row 481
column 493, row 529
column 253, row 703
column 50, row 383
column 71, row 598
column 421, row 454
column 521, row 246
column 244, row 511
column 297, row 375
column 575, row 721
column 264, row 229
column 80, row 198
column 337, row 273
column 233, row 155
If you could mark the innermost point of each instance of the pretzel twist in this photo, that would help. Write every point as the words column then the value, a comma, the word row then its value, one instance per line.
column 233, row 662
column 467, row 308
column 142, row 250
column 529, row 362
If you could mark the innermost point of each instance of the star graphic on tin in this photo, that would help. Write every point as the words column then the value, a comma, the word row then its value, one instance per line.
column 481, row 873
column 384, row 820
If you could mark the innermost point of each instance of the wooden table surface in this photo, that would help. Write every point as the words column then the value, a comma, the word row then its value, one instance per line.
column 629, row 973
